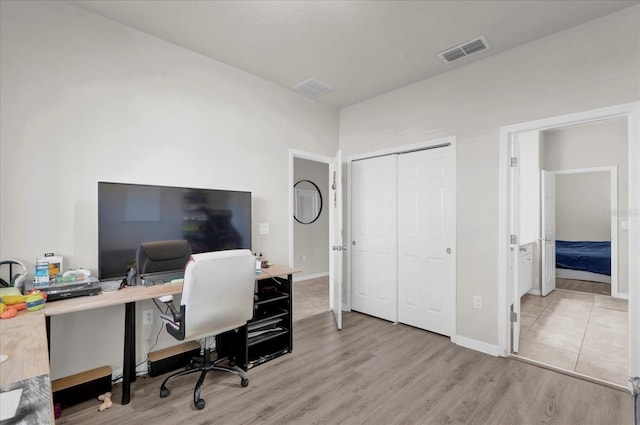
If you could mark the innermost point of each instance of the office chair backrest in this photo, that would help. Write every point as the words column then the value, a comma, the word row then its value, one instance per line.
column 162, row 256
column 218, row 292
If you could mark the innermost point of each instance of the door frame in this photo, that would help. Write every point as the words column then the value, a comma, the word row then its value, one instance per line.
column 428, row 144
column 631, row 111
column 613, row 221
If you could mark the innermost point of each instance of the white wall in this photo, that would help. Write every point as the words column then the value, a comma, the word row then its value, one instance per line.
column 590, row 66
column 84, row 99
column 583, row 202
column 311, row 241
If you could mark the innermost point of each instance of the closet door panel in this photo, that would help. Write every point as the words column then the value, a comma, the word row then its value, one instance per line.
column 424, row 235
column 374, row 237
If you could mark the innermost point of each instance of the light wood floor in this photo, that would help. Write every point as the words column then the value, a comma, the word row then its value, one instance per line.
column 371, row 372
column 579, row 332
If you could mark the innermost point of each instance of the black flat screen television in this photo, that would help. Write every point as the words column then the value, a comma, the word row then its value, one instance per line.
column 131, row 214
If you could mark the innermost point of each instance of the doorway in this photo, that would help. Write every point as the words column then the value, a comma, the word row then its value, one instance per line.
column 310, row 237
column 306, row 205
column 509, row 297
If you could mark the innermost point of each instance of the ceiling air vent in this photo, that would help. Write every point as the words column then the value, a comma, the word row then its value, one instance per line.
column 313, row 88
column 465, row 49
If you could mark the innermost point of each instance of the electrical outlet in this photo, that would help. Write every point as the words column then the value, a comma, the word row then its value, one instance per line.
column 147, row 317
column 303, row 258
column 477, row 301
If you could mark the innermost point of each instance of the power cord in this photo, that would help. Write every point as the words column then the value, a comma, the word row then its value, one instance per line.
column 144, row 362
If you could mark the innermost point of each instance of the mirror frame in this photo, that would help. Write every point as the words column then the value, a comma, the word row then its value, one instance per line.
column 296, row 202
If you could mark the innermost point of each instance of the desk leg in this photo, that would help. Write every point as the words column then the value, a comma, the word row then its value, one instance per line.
column 48, row 323
column 129, row 359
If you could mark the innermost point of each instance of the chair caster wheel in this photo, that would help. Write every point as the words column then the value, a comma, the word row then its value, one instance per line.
column 244, row 382
column 164, row 392
column 199, row 404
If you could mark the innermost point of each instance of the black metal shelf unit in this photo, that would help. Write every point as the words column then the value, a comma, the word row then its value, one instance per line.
column 269, row 333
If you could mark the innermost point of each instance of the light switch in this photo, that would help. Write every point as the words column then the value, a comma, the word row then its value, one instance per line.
column 624, row 225
column 264, row 228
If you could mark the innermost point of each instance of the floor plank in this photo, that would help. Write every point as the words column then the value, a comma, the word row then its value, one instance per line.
column 371, row 372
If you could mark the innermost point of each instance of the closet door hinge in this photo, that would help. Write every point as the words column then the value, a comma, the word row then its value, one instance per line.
column 514, row 316
column 514, row 239
column 514, row 161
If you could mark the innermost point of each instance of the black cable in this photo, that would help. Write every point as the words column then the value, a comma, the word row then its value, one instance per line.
column 119, row 377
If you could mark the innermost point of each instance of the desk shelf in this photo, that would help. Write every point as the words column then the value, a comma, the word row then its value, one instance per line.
column 265, row 337
column 272, row 302
column 270, row 297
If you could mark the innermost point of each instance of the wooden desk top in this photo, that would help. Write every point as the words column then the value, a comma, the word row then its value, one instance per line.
column 274, row 271
column 106, row 299
column 137, row 293
column 24, row 340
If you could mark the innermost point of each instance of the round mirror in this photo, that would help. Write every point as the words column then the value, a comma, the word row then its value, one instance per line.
column 307, row 202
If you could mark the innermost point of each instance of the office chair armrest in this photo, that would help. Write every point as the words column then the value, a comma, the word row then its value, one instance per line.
column 176, row 328
column 168, row 300
column 174, row 323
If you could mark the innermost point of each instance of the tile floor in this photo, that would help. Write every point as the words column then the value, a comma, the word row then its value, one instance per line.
column 580, row 332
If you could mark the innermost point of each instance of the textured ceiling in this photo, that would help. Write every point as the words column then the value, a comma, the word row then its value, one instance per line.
column 361, row 48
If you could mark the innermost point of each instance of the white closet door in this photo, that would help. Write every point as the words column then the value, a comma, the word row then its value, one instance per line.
column 374, row 237
column 425, row 240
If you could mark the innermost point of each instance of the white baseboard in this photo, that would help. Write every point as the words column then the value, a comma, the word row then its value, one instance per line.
column 474, row 344
column 623, row 295
column 297, row 278
column 535, row 292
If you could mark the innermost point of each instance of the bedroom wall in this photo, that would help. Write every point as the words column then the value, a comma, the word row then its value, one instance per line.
column 84, row 99
column 590, row 66
column 582, row 205
column 311, row 241
column 596, row 144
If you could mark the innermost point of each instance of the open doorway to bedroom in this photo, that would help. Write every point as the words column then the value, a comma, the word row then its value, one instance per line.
column 567, row 273
column 310, row 237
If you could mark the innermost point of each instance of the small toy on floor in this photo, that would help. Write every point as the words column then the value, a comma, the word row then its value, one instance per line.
column 106, row 401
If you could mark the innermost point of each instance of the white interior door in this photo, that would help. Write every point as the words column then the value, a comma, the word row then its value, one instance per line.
column 374, row 237
column 548, row 257
column 425, row 240
column 336, row 246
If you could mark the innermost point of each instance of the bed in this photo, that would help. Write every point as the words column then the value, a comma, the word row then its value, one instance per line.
column 584, row 260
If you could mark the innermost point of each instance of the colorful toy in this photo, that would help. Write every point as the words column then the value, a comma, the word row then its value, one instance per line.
column 7, row 312
column 106, row 401
column 11, row 304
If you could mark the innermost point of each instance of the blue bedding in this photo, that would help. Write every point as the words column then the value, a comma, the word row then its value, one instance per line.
column 592, row 257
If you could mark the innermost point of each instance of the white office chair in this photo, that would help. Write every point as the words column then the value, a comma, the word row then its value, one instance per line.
column 217, row 297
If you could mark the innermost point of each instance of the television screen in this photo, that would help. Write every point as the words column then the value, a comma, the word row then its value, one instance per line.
column 131, row 214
